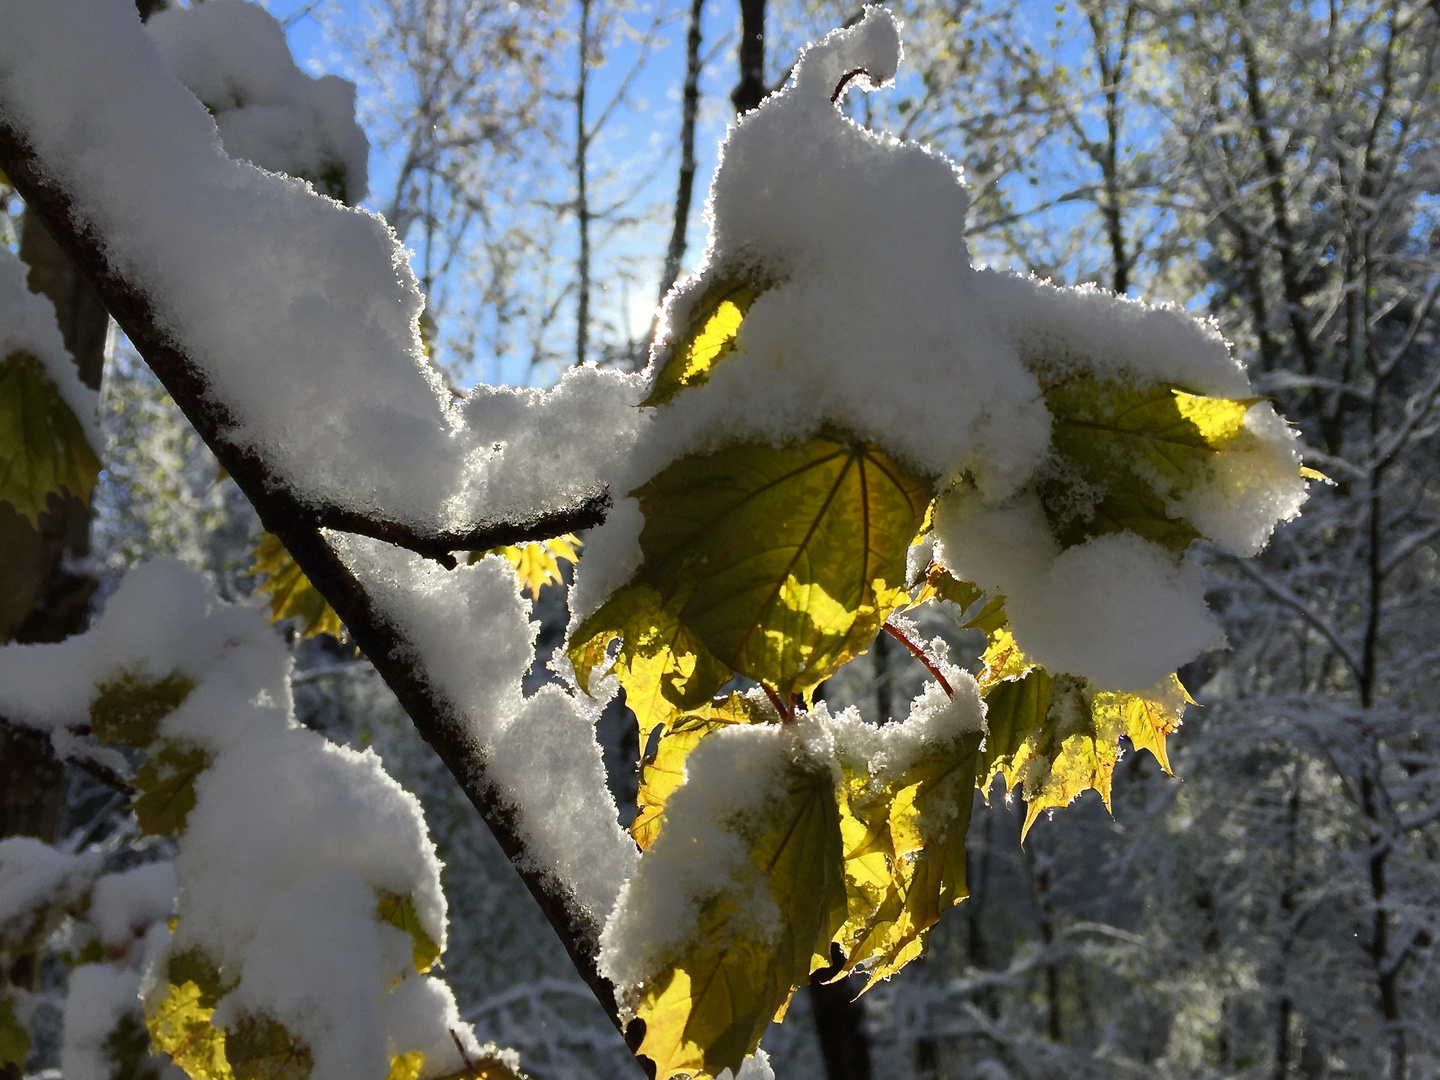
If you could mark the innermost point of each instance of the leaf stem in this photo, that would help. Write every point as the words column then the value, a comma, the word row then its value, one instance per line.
column 919, row 654
column 787, row 714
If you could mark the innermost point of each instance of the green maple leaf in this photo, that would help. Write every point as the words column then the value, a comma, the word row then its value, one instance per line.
column 128, row 709
column 290, row 593
column 664, row 669
column 905, row 854
column 178, row 1020
column 259, row 1048
column 166, row 785
column 43, row 448
column 1129, row 450
column 14, row 1039
column 664, row 772
column 783, row 561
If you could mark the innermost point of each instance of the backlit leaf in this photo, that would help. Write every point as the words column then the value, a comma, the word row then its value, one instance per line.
column 406, row 1066
column 664, row 669
column 128, row 709
column 166, row 782
column 783, row 561
column 179, row 1025
column 259, row 1048
column 916, row 823
column 1056, row 737
column 707, row 1010
column 290, row 593
column 663, row 773
column 709, row 335
column 536, row 564
column 399, row 912
column 43, row 449
column 1126, row 451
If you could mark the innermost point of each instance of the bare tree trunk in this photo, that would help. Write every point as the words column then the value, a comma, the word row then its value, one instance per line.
column 751, row 89
column 1112, row 72
column 582, row 198
column 840, row 1027
column 683, row 195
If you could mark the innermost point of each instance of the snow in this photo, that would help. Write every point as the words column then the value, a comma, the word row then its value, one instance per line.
column 301, row 314
column 34, row 875
column 732, row 776
column 1252, row 488
column 233, row 56
column 27, row 324
column 100, row 996
column 871, row 322
column 471, row 633
column 289, row 842
column 124, row 906
column 1118, row 610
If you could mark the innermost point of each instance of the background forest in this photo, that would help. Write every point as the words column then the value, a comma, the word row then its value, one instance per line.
column 1275, row 165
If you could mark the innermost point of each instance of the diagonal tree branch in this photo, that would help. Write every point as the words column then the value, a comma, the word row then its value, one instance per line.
column 299, row 528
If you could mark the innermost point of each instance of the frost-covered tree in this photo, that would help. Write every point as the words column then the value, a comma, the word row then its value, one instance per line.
column 843, row 421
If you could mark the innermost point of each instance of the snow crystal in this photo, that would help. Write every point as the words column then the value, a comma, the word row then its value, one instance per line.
column 303, row 314
column 233, row 56
column 471, row 634
column 27, row 324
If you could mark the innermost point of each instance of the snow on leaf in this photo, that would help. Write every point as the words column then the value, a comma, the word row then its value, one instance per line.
column 14, row 1039
column 916, row 823
column 399, row 912
column 662, row 773
column 784, row 561
column 940, row 585
column 290, row 592
column 664, row 669
column 1134, row 449
column 710, row 332
column 259, row 1048
column 128, row 709
column 1054, row 735
column 709, row 1006
column 166, row 782
column 536, row 564
column 43, row 449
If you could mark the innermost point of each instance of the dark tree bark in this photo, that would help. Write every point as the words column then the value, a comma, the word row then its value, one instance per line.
column 751, row 88
column 686, row 190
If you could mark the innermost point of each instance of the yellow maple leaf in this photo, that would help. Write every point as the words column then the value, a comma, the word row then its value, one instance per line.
column 662, row 773
column 537, row 564
column 290, row 592
column 711, row 328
